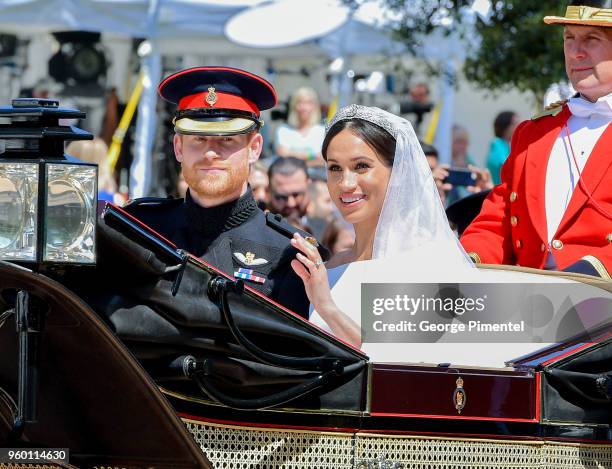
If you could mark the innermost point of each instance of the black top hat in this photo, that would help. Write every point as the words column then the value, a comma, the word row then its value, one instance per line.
column 586, row 13
column 217, row 100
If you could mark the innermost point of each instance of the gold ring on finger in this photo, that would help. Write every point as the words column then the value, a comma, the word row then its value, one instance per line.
column 312, row 241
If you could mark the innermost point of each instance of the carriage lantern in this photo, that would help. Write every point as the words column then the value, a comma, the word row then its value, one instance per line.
column 47, row 199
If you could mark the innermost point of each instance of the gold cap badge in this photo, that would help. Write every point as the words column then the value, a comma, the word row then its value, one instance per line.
column 211, row 97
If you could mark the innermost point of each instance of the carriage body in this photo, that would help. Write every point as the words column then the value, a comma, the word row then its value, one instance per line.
column 156, row 359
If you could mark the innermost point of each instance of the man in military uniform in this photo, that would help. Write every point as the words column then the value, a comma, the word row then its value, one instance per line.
column 217, row 138
column 553, row 208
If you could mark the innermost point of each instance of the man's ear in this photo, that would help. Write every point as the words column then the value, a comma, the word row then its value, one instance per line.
column 255, row 147
column 177, row 141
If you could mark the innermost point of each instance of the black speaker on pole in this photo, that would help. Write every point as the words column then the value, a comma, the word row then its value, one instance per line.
column 80, row 59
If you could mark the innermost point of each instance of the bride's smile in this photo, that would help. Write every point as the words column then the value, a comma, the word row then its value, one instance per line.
column 352, row 199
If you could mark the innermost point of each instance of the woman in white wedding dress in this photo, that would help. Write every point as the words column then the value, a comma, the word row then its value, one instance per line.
column 380, row 180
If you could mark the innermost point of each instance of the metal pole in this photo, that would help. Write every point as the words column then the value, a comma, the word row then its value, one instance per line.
column 140, row 173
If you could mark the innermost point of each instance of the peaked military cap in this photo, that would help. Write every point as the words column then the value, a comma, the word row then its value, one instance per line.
column 585, row 12
column 217, row 100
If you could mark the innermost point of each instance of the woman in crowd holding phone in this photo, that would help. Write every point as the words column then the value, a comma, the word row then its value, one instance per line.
column 462, row 177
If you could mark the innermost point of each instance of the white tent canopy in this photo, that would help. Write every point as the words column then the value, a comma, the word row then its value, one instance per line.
column 177, row 20
column 129, row 17
column 177, row 27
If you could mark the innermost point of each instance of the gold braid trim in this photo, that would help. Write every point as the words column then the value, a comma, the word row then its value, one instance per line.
column 598, row 266
column 588, row 13
column 551, row 110
column 475, row 257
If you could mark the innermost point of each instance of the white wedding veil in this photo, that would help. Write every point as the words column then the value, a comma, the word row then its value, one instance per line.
column 412, row 215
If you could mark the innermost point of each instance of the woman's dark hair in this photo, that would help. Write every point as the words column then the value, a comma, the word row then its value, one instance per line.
column 376, row 137
column 502, row 122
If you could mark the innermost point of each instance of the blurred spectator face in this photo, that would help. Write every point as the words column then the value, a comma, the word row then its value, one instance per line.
column 432, row 160
column 338, row 236
column 43, row 88
column 297, row 222
column 431, row 154
column 260, row 185
column 41, row 93
column 321, row 205
column 344, row 241
column 505, row 124
column 511, row 128
column 181, row 185
column 95, row 151
column 461, row 141
column 304, row 107
column 419, row 93
column 289, row 194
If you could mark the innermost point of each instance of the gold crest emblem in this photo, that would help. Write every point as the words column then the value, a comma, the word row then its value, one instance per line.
column 459, row 396
column 211, row 97
column 250, row 258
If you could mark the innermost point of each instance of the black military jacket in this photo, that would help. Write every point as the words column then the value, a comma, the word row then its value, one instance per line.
column 230, row 237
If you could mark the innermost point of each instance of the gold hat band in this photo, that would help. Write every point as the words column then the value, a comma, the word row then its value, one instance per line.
column 588, row 13
column 583, row 15
column 226, row 127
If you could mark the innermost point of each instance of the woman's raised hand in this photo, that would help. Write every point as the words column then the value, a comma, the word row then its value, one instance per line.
column 310, row 268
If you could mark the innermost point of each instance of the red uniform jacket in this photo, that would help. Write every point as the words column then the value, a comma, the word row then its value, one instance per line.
column 511, row 227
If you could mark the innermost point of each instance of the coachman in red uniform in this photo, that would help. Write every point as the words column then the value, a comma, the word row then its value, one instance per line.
column 553, row 208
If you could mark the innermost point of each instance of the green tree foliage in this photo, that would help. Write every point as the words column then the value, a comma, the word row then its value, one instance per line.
column 517, row 48
column 514, row 49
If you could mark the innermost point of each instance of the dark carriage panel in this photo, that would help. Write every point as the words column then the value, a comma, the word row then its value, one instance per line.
column 430, row 392
column 578, row 388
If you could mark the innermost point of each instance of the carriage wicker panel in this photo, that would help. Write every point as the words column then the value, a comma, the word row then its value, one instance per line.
column 242, row 447
column 577, row 456
column 262, row 448
column 456, row 453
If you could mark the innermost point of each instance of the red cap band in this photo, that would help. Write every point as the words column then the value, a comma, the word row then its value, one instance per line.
column 217, row 100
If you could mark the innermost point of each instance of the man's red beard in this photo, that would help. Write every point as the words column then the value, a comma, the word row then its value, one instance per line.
column 217, row 184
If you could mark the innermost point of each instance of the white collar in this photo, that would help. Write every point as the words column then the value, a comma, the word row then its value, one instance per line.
column 581, row 107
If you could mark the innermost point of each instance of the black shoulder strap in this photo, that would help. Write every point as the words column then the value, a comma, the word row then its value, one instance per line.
column 276, row 221
column 163, row 215
column 153, row 202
